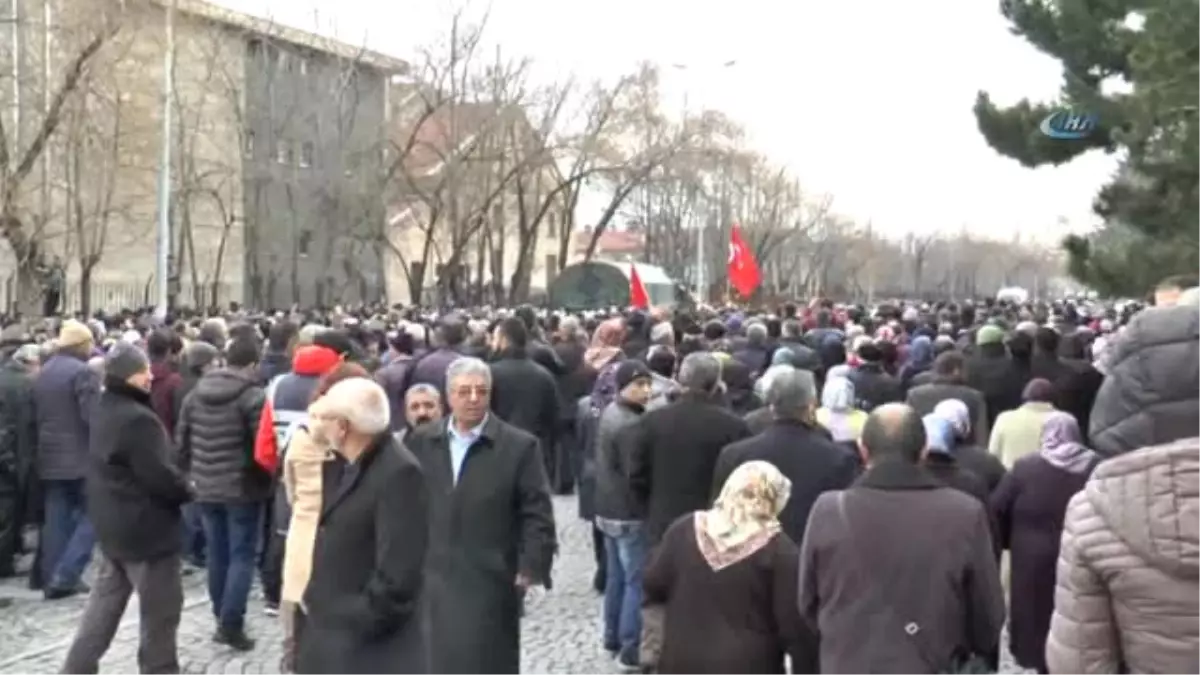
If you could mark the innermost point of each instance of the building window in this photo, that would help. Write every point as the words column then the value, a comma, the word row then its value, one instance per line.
column 306, row 154
column 285, row 64
column 303, row 66
column 283, row 151
column 304, row 243
column 249, row 143
column 551, row 226
column 254, row 48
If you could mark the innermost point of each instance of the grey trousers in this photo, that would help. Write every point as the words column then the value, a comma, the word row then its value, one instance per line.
column 160, row 603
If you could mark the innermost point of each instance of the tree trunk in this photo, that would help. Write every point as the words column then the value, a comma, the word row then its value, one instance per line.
column 85, row 287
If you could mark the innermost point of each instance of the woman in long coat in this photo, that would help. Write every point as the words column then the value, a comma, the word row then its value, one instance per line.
column 1030, row 504
column 728, row 578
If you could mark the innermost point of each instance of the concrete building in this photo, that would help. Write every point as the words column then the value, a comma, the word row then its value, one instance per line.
column 278, row 143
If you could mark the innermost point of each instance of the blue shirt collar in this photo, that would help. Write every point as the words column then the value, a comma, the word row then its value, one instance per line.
column 470, row 435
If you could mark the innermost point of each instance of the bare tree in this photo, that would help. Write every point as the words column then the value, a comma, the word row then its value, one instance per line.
column 93, row 130
column 17, row 163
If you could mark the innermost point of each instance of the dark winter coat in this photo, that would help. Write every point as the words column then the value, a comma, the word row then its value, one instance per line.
column 1030, row 506
column 217, row 430
column 614, row 498
column 64, row 394
column 741, row 619
column 273, row 365
column 18, row 426
column 495, row 522
column 164, row 389
column 525, row 395
column 873, row 387
column 134, row 491
column 674, row 454
column 926, row 397
column 981, row 463
column 1076, row 384
column 392, row 378
column 804, row 455
column 365, row 610
column 913, row 551
column 998, row 378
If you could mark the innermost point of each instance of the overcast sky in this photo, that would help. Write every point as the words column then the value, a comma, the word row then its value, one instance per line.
column 867, row 100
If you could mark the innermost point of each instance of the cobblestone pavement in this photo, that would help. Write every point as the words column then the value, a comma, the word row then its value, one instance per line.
column 560, row 632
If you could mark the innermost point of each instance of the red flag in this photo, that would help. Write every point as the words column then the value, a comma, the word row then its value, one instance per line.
column 743, row 268
column 637, row 290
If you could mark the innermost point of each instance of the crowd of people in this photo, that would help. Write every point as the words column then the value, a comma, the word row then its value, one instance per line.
column 820, row 488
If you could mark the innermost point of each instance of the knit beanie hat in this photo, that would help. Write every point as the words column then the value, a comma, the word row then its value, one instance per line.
column 125, row 360
column 629, row 371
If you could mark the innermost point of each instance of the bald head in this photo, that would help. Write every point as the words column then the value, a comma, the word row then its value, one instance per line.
column 894, row 431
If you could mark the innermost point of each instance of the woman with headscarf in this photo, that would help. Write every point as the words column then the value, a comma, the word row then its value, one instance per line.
column 919, row 360
column 606, row 344
column 727, row 579
column 1030, row 506
column 600, row 363
column 838, row 413
column 970, row 456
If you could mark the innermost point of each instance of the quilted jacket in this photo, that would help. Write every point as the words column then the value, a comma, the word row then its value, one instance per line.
column 1127, row 579
column 1126, row 597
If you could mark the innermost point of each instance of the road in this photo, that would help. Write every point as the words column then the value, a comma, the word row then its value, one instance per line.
column 560, row 632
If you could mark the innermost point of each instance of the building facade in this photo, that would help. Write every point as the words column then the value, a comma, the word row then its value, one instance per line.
column 277, row 137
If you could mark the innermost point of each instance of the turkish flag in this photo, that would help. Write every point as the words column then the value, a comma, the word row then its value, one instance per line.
column 637, row 290
column 743, row 268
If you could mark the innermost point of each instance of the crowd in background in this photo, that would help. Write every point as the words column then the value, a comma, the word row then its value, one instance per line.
column 820, row 487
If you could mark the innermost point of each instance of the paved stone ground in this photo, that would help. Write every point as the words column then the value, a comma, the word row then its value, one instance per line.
column 560, row 632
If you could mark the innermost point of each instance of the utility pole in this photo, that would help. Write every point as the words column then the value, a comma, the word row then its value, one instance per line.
column 17, row 55
column 162, row 270
column 701, row 287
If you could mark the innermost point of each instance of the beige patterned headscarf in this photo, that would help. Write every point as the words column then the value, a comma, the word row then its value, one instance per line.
column 745, row 516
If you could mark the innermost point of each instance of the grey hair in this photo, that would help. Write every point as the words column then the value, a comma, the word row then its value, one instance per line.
column 700, row 371
column 792, row 328
column 468, row 365
column 423, row 388
column 663, row 333
column 756, row 333
column 791, row 392
column 309, row 333
column 361, row 402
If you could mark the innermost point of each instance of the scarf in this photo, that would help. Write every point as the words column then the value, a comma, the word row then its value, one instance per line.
column 837, row 398
column 1062, row 446
column 606, row 344
column 745, row 517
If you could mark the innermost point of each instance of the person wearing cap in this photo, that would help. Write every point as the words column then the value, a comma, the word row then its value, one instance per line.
column 619, row 515
column 873, row 385
column 64, row 394
column 992, row 371
column 18, row 428
column 135, row 495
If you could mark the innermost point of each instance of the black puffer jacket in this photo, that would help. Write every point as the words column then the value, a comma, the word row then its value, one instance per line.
column 1160, row 346
column 217, row 427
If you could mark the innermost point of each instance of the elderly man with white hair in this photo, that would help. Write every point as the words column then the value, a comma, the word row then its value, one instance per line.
column 491, row 528
column 362, row 610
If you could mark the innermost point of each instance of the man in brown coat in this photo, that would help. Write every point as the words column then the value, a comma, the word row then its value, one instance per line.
column 897, row 572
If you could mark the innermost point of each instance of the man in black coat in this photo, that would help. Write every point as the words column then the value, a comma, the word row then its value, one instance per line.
column 524, row 393
column 994, row 374
column 873, row 385
column 362, row 606
column 949, row 382
column 491, row 527
column 806, row 456
column 134, row 496
column 18, row 445
column 674, row 449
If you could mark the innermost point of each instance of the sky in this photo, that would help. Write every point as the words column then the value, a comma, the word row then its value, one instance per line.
column 868, row 101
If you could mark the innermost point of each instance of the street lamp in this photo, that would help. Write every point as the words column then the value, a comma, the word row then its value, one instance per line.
column 701, row 295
